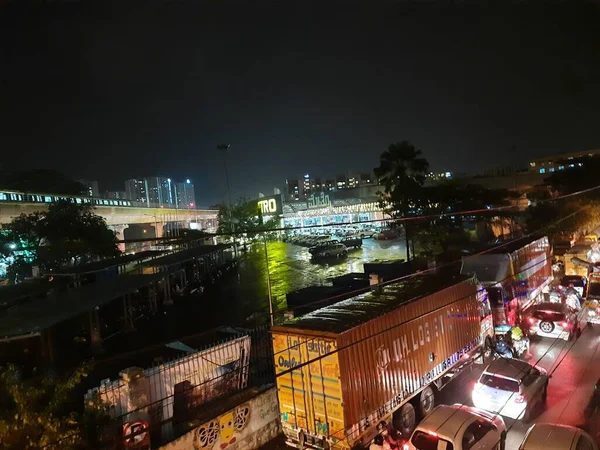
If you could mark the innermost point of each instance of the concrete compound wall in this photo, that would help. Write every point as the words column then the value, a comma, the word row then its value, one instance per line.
column 247, row 426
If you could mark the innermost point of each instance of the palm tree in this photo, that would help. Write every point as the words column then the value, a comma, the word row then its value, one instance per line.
column 402, row 171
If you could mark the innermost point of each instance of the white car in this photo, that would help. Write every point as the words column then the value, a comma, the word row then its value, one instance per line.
column 458, row 427
column 511, row 387
column 365, row 233
column 336, row 250
column 551, row 436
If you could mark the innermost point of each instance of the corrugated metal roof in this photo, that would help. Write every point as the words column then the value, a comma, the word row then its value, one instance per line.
column 42, row 313
column 347, row 314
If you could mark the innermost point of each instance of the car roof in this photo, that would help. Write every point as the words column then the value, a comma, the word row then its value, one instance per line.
column 550, row 436
column 509, row 368
column 548, row 306
column 447, row 420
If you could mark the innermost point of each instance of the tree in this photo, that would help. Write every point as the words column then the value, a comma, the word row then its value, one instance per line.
column 39, row 415
column 42, row 181
column 402, row 171
column 442, row 199
column 246, row 217
column 68, row 233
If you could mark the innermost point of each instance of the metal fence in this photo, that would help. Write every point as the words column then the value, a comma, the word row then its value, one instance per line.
column 166, row 397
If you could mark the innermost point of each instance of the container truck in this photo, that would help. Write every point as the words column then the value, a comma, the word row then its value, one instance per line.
column 515, row 275
column 379, row 356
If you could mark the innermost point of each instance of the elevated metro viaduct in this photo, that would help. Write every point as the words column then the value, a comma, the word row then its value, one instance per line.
column 120, row 217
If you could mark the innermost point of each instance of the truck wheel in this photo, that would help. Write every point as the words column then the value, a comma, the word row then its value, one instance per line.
column 426, row 401
column 405, row 419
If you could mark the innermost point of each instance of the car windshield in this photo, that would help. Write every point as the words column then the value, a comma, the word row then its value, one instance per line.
column 577, row 282
column 500, row 383
column 425, row 441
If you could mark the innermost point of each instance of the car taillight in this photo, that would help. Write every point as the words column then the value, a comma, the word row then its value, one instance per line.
column 564, row 324
column 519, row 399
column 405, row 447
column 531, row 320
column 560, row 286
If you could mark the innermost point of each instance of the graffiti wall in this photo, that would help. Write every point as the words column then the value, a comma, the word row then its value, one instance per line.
column 247, row 426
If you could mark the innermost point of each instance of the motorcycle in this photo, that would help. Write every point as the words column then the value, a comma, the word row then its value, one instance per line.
column 509, row 347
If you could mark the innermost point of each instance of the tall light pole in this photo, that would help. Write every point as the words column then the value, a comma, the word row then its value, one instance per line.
column 225, row 148
column 268, row 278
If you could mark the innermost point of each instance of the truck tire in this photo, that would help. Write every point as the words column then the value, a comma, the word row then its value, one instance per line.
column 426, row 401
column 405, row 419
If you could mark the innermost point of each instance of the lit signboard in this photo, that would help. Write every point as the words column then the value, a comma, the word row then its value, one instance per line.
column 270, row 206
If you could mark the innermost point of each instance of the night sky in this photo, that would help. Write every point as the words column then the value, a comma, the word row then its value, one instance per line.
column 113, row 89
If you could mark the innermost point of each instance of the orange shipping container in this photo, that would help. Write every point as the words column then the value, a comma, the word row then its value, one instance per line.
column 360, row 359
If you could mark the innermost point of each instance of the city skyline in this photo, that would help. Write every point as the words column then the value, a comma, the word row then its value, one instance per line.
column 472, row 92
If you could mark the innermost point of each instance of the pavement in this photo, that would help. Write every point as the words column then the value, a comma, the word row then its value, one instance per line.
column 575, row 368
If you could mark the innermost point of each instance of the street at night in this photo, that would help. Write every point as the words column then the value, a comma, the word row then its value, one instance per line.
column 575, row 373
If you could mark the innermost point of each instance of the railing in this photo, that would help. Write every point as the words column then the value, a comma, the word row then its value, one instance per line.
column 168, row 396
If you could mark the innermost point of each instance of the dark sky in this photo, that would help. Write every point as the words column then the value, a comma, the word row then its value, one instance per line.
column 112, row 89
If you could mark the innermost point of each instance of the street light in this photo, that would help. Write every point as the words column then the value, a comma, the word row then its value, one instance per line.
column 225, row 148
column 268, row 278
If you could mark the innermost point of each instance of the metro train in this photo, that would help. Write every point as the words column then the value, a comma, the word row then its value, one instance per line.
column 22, row 197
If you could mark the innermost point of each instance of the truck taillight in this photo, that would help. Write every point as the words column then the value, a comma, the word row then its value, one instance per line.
column 519, row 399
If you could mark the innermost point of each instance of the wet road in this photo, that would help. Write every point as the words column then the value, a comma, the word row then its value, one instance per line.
column 576, row 368
column 290, row 268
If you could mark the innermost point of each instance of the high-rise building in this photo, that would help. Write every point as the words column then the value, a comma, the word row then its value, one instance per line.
column 118, row 195
column 136, row 189
column 185, row 195
column 161, row 191
column 292, row 189
column 91, row 187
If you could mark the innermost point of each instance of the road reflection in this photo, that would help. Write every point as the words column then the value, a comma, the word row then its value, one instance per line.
column 290, row 268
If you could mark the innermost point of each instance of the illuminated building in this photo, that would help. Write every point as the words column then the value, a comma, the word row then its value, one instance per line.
column 161, row 192
column 560, row 162
column 136, row 190
column 91, row 188
column 185, row 195
column 302, row 188
column 343, row 206
column 118, row 195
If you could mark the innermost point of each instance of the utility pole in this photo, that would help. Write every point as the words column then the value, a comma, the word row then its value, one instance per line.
column 225, row 149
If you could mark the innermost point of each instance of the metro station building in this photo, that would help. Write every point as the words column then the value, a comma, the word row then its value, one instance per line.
column 344, row 206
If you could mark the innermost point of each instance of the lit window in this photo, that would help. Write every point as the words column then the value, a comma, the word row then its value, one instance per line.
column 551, row 169
column 532, row 163
column 580, row 164
column 571, row 165
column 542, row 170
column 561, row 167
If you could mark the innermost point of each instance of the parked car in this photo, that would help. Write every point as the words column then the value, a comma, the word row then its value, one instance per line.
column 459, row 427
column 511, row 387
column 352, row 242
column 552, row 436
column 554, row 320
column 386, row 235
column 337, row 250
column 366, row 233
column 575, row 281
column 320, row 245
